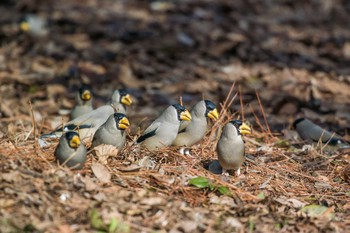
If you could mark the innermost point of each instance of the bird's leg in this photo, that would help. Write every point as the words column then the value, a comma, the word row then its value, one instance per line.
column 238, row 172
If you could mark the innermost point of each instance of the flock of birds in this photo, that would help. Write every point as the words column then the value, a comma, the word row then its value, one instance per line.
column 175, row 126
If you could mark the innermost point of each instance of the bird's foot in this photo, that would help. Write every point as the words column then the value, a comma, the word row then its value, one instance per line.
column 225, row 176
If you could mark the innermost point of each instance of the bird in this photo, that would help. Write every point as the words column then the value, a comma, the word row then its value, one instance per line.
column 230, row 147
column 312, row 133
column 88, row 123
column 162, row 132
column 112, row 132
column 34, row 25
column 70, row 151
column 197, row 127
column 83, row 102
column 120, row 99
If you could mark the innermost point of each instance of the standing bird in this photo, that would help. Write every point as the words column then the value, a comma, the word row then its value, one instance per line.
column 197, row 127
column 230, row 147
column 312, row 133
column 112, row 131
column 162, row 132
column 120, row 99
column 70, row 151
column 83, row 102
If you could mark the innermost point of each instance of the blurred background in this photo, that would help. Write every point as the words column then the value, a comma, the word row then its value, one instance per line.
column 294, row 54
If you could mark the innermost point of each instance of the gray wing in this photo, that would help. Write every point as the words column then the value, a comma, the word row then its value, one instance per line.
column 150, row 131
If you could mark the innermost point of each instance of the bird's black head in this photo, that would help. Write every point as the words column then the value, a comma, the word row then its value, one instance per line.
column 179, row 108
column 241, row 127
column 85, row 92
column 125, row 97
column 121, row 121
column 211, row 110
column 297, row 121
column 73, row 139
column 182, row 113
column 209, row 105
column 123, row 92
column 236, row 123
column 118, row 116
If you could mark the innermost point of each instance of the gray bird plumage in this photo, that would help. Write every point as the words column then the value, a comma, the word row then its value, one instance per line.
column 197, row 127
column 112, row 131
column 70, row 151
column 83, row 102
column 162, row 132
column 88, row 123
column 312, row 133
column 230, row 147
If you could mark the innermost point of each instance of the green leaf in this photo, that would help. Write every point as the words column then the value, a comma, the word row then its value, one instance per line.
column 278, row 226
column 33, row 88
column 224, row 190
column 251, row 225
column 96, row 220
column 199, row 182
column 316, row 211
column 261, row 195
column 113, row 225
column 282, row 144
column 212, row 186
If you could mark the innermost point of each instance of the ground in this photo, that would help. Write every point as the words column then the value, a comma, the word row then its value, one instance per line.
column 267, row 62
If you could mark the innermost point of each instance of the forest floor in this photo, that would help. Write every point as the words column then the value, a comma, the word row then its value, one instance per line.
column 280, row 59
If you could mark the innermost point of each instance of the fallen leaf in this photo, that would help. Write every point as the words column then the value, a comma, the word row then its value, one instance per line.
column 199, row 182
column 11, row 177
column 152, row 201
column 5, row 203
column 290, row 202
column 65, row 229
column 103, row 152
column 101, row 172
column 90, row 185
column 131, row 168
column 188, row 226
column 234, row 222
column 318, row 211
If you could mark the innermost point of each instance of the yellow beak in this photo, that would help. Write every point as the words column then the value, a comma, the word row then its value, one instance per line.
column 75, row 142
column 126, row 99
column 213, row 114
column 185, row 115
column 24, row 26
column 123, row 123
column 244, row 129
column 86, row 95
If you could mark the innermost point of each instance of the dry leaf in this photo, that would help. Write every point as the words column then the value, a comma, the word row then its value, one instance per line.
column 131, row 168
column 103, row 152
column 152, row 201
column 101, row 172
column 290, row 202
